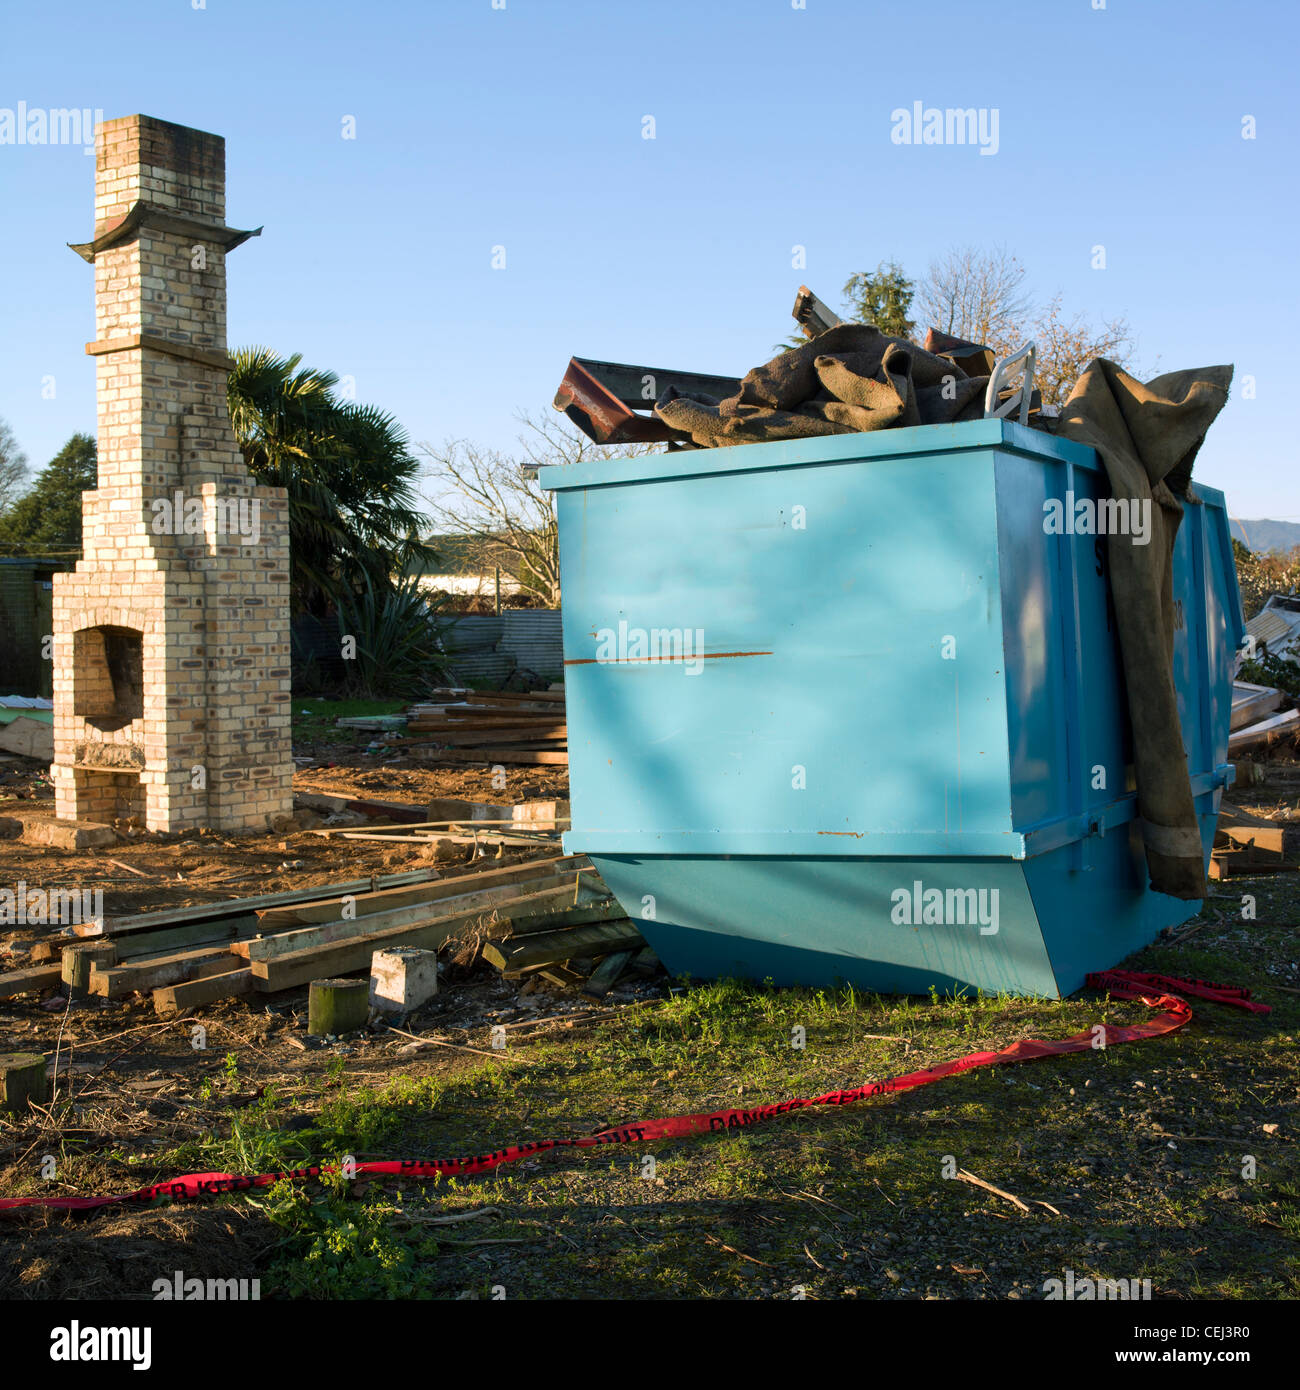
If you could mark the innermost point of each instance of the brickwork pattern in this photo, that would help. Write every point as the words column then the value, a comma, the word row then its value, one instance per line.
column 211, row 745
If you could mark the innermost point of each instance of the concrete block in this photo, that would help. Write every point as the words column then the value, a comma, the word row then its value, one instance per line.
column 66, row 834
column 30, row 738
column 403, row 978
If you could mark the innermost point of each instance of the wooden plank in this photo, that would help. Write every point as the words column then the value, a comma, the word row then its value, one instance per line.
column 1226, row 863
column 607, row 974
column 1262, row 837
column 119, row 980
column 579, row 914
column 561, row 976
column 140, row 944
column 366, row 806
column 34, row 977
column 337, row 930
column 326, row 909
column 487, row 719
column 1279, row 726
column 1250, row 703
column 456, row 737
column 349, row 928
column 347, row 957
column 523, row 835
column 79, row 959
column 463, row 831
column 238, row 907
column 170, row 999
column 505, row 756
column 526, row 720
column 546, row 948
column 532, row 697
column 486, row 837
column 646, row 962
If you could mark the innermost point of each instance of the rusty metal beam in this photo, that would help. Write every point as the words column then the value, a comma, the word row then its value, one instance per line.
column 600, row 415
column 640, row 387
column 973, row 358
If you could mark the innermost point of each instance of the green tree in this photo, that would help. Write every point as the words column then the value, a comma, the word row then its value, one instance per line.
column 350, row 476
column 882, row 297
column 47, row 517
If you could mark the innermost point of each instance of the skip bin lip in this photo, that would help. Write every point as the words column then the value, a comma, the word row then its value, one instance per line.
column 819, row 450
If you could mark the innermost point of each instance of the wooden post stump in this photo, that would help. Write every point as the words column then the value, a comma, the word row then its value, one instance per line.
column 79, row 961
column 22, row 1078
column 337, row 1006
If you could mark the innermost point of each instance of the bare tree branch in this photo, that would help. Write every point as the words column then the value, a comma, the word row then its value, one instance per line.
column 980, row 296
column 494, row 501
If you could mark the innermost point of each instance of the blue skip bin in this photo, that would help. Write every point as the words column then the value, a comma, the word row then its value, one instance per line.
column 850, row 709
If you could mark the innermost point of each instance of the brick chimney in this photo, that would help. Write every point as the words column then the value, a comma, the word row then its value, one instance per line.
column 171, row 637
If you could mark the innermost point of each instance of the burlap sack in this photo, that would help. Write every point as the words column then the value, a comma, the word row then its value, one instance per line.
column 1147, row 437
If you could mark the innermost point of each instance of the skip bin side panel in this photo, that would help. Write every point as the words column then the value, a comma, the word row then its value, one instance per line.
column 832, row 921
column 1093, row 917
column 809, row 611
column 1068, row 728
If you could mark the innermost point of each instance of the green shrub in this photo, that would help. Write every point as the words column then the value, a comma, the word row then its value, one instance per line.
column 397, row 635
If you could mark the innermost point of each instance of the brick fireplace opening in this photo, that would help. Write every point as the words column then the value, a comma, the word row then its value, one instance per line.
column 171, row 639
column 108, row 676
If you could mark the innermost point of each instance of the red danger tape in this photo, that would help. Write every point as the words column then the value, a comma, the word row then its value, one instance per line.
column 1157, row 991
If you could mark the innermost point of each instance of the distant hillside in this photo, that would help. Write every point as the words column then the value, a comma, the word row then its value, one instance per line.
column 1278, row 536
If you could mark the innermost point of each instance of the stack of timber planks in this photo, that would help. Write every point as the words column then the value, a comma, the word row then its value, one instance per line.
column 511, row 727
column 1253, row 721
column 589, row 947
column 195, row 955
column 470, row 823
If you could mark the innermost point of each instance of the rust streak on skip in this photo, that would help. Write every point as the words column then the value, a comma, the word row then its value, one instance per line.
column 856, row 834
column 644, row 660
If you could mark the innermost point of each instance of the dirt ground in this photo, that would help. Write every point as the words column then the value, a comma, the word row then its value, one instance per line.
column 139, row 1084
column 207, row 866
column 141, row 1088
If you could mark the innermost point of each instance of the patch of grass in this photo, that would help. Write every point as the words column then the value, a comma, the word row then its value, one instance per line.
column 1171, row 1160
column 315, row 720
column 347, row 709
column 337, row 1248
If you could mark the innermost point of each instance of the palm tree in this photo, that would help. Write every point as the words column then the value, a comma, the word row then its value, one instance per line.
column 353, row 523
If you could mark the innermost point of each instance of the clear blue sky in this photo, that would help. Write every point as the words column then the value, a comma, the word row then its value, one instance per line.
column 522, row 127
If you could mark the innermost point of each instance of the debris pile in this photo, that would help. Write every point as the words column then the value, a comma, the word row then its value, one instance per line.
column 550, row 915
column 511, row 727
column 1254, row 721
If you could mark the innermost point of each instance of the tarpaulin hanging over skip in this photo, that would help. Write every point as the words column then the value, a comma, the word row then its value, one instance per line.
column 1147, row 437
